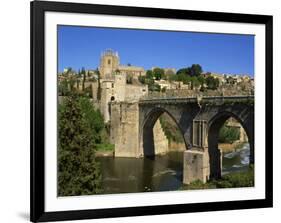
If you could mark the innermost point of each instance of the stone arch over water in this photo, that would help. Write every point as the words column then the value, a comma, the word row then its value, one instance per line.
column 147, row 135
column 214, row 126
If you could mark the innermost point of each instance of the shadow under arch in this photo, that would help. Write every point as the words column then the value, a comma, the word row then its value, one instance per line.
column 214, row 126
column 146, row 134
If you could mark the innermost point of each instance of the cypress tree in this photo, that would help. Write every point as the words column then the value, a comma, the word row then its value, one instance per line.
column 78, row 171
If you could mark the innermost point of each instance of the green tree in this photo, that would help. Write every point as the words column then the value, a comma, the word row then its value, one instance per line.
column 212, row 83
column 158, row 73
column 63, row 88
column 141, row 79
column 201, row 79
column 183, row 71
column 195, row 70
column 173, row 77
column 228, row 134
column 99, row 85
column 149, row 74
column 83, row 73
column 195, row 83
column 93, row 116
column 186, row 79
column 78, row 171
column 71, row 82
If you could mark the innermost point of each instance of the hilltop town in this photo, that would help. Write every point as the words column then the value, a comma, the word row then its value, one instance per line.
column 113, row 82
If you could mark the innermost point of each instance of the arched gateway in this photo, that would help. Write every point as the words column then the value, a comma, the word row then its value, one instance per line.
column 198, row 120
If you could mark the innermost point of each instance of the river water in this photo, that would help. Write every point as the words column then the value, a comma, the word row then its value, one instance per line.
column 163, row 173
column 236, row 161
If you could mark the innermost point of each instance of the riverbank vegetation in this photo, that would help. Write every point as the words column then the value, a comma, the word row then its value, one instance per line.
column 106, row 147
column 230, row 180
column 228, row 134
column 82, row 133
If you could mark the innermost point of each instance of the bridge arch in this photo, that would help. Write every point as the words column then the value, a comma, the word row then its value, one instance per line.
column 146, row 130
column 214, row 126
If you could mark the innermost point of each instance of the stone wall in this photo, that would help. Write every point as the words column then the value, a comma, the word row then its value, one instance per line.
column 95, row 87
column 175, row 146
column 124, row 131
column 106, row 94
column 161, row 143
column 135, row 92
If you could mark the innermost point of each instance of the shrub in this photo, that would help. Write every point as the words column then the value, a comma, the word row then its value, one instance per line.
column 228, row 134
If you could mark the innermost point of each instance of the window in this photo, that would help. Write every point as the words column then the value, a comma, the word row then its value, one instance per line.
column 108, row 62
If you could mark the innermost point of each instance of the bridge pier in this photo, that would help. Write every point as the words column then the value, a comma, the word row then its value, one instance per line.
column 196, row 166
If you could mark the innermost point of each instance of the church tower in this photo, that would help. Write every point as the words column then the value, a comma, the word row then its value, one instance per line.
column 109, row 63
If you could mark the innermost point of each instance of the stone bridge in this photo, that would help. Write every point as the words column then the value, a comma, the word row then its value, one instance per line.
column 199, row 120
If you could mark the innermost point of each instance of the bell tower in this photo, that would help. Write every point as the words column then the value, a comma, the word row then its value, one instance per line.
column 109, row 63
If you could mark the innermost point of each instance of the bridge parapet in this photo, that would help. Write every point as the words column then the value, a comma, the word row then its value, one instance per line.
column 248, row 99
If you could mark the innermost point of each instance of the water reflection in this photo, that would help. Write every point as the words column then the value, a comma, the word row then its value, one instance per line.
column 163, row 173
column 121, row 175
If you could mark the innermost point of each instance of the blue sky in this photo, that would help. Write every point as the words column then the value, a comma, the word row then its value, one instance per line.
column 222, row 53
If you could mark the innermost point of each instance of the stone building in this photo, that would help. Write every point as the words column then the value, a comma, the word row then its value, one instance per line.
column 110, row 64
column 112, row 85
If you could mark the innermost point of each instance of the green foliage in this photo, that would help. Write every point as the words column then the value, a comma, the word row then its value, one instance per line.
column 171, row 129
column 154, row 87
column 190, row 75
column 228, row 134
column 105, row 147
column 183, row 71
column 198, row 184
column 212, row 83
column 63, row 88
column 149, row 74
column 239, row 179
column 172, row 77
column 78, row 171
column 141, row 79
column 195, row 70
column 83, row 73
column 99, row 85
column 231, row 180
column 71, row 82
column 195, row 83
column 186, row 79
column 94, row 117
column 158, row 73
column 201, row 79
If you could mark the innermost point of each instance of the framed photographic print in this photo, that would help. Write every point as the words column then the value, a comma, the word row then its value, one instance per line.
column 144, row 111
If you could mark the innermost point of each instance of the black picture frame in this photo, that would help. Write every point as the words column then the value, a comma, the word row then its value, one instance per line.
column 37, row 157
